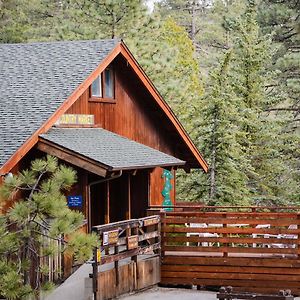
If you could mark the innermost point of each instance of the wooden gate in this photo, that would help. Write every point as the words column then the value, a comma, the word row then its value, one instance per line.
column 255, row 251
column 128, row 258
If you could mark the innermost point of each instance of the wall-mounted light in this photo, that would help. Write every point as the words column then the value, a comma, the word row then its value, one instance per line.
column 9, row 175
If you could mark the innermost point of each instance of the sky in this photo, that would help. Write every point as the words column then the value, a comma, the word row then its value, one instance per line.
column 150, row 3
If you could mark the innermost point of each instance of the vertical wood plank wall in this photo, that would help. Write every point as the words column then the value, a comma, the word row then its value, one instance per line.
column 132, row 116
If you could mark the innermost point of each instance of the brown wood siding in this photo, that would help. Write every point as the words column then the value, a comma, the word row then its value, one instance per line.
column 133, row 116
column 129, row 116
column 79, row 188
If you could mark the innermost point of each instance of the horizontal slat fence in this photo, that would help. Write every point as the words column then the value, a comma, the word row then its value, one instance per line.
column 256, row 251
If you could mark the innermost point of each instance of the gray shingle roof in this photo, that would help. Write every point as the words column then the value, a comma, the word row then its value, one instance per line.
column 108, row 148
column 35, row 79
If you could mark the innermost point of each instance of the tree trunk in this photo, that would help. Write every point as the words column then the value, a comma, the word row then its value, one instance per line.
column 193, row 23
column 212, row 193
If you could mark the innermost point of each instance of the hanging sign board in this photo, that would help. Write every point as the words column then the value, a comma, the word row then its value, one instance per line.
column 150, row 221
column 110, row 237
column 75, row 201
column 132, row 242
column 76, row 119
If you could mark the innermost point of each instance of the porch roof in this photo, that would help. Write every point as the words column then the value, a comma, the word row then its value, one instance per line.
column 108, row 150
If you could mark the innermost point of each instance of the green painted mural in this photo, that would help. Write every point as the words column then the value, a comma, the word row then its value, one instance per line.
column 166, row 192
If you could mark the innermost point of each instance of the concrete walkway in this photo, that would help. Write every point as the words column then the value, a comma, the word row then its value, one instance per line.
column 171, row 294
column 74, row 287
column 77, row 288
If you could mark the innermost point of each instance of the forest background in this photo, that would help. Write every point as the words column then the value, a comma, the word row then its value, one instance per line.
column 230, row 69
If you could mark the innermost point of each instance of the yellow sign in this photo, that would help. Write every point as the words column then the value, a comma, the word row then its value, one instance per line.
column 75, row 119
column 150, row 221
column 110, row 237
column 132, row 242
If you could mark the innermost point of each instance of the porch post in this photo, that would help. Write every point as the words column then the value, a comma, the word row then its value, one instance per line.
column 128, row 213
column 107, row 214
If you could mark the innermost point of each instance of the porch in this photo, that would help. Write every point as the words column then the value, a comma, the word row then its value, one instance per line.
column 253, row 249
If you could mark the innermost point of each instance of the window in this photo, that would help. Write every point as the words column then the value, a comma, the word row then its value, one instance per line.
column 96, row 90
column 103, row 87
column 108, row 83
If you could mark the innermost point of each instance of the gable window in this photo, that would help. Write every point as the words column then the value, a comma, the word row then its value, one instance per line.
column 96, row 89
column 108, row 83
column 103, row 87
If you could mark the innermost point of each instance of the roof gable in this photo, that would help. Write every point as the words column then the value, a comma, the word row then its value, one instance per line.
column 36, row 79
column 40, row 81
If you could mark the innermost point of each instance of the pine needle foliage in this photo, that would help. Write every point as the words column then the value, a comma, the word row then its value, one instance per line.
column 168, row 56
column 40, row 216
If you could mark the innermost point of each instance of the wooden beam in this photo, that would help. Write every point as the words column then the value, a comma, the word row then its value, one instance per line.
column 107, row 206
column 71, row 157
column 86, row 198
column 128, row 213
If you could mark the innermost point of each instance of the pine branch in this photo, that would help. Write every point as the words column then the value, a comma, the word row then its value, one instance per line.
column 34, row 251
column 283, row 109
column 49, row 237
column 219, row 46
column 36, row 184
column 41, row 225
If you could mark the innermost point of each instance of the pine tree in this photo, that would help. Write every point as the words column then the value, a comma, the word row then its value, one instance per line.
column 281, row 19
column 227, row 180
column 12, row 21
column 40, row 213
column 168, row 56
column 11, row 283
column 262, row 134
column 248, row 153
column 219, row 133
column 208, row 25
column 108, row 18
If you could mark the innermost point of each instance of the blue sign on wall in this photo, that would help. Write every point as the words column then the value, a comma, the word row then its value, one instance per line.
column 75, row 201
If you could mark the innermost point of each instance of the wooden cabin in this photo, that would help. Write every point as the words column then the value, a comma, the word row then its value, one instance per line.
column 90, row 104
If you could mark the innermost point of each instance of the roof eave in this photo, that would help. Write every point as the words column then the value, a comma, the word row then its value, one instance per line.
column 90, row 164
column 164, row 165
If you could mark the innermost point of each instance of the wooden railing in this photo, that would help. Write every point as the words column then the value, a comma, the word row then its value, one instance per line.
column 58, row 265
column 52, row 263
column 253, row 249
column 124, row 240
column 185, row 206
